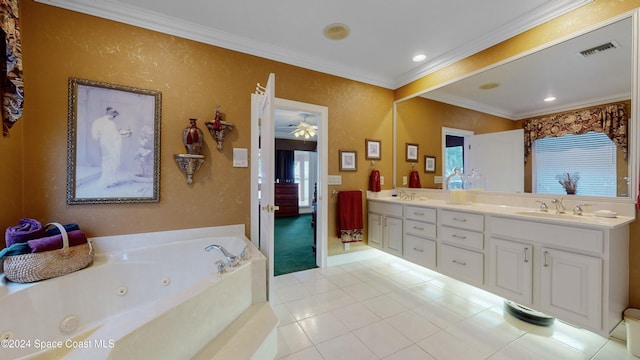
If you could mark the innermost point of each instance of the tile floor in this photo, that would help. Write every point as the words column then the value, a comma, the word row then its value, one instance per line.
column 387, row 308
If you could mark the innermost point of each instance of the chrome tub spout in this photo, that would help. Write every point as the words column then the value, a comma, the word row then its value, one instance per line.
column 232, row 260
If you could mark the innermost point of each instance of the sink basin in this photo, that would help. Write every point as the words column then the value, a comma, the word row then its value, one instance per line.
column 547, row 215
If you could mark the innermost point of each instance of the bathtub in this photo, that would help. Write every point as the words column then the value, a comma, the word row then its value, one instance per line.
column 154, row 295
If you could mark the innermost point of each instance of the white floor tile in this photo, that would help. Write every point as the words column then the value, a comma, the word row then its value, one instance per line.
column 345, row 347
column 355, row 316
column 291, row 339
column 344, row 279
column 382, row 339
column 361, row 291
column 412, row 325
column 283, row 314
column 292, row 292
column 444, row 346
column 319, row 285
column 384, row 306
column 310, row 353
column 614, row 350
column 387, row 308
column 413, row 352
column 323, row 327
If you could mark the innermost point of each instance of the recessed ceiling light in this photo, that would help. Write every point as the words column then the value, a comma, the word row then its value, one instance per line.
column 550, row 98
column 489, row 86
column 336, row 31
column 419, row 57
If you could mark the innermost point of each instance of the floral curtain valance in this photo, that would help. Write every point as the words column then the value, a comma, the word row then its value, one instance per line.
column 611, row 119
column 11, row 73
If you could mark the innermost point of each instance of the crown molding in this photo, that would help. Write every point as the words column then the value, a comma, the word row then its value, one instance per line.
column 119, row 12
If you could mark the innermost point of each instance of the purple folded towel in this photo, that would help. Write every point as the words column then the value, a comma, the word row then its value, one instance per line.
column 27, row 229
column 49, row 243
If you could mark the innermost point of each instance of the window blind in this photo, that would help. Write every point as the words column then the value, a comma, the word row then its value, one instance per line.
column 592, row 156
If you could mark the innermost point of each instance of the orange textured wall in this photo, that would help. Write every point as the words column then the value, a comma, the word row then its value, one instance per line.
column 11, row 188
column 420, row 121
column 193, row 78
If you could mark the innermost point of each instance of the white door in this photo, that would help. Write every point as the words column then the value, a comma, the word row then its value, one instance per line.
column 500, row 158
column 263, row 142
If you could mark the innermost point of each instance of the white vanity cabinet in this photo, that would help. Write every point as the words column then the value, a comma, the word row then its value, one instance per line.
column 461, row 245
column 419, row 239
column 385, row 227
column 577, row 274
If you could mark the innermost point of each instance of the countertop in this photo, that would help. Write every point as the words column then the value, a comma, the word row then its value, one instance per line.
column 587, row 219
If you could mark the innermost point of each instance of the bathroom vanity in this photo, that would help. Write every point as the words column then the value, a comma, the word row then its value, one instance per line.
column 572, row 267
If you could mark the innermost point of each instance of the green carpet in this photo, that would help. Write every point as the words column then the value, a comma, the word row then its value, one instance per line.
column 293, row 237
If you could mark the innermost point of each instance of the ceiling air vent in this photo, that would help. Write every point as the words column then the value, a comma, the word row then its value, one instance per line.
column 600, row 48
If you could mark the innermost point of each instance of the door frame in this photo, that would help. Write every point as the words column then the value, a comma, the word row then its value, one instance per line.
column 466, row 134
column 322, row 175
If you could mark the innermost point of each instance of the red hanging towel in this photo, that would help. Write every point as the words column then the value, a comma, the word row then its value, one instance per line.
column 374, row 181
column 350, row 225
column 414, row 179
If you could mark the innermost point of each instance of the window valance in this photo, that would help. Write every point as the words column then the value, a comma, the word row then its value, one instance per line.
column 11, row 65
column 611, row 119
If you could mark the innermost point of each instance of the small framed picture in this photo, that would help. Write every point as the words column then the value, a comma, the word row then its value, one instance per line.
column 373, row 149
column 412, row 152
column 348, row 160
column 429, row 164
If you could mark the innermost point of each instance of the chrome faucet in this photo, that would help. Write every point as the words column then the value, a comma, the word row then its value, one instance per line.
column 232, row 260
column 578, row 210
column 543, row 206
column 560, row 209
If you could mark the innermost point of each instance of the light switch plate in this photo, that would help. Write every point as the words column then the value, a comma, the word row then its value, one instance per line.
column 404, row 181
column 437, row 179
column 334, row 179
column 381, row 180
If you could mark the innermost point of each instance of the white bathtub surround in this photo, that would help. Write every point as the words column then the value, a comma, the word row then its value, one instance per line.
column 153, row 295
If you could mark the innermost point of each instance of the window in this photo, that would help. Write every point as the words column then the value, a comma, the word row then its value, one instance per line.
column 301, row 175
column 592, row 156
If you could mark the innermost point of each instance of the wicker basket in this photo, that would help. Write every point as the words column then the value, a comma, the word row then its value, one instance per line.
column 47, row 264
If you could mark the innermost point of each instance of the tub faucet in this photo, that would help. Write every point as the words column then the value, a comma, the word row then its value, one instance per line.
column 560, row 209
column 232, row 260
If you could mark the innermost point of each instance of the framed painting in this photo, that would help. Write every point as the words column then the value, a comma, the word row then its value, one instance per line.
column 113, row 143
column 348, row 160
column 429, row 164
column 373, row 149
column 412, row 152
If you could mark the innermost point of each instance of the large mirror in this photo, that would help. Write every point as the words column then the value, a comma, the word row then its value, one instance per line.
column 479, row 121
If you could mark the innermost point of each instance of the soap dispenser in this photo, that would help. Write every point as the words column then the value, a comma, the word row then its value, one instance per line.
column 456, row 187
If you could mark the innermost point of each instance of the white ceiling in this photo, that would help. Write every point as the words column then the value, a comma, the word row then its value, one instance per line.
column 559, row 71
column 385, row 35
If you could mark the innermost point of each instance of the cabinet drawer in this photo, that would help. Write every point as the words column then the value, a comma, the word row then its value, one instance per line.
column 461, row 264
column 419, row 228
column 462, row 220
column 419, row 251
column 385, row 208
column 420, row 213
column 464, row 238
column 574, row 238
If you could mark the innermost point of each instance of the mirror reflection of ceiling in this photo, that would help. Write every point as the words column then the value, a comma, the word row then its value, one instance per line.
column 561, row 71
column 288, row 121
column 292, row 31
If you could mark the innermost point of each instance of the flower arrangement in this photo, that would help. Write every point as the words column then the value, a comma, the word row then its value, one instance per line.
column 569, row 182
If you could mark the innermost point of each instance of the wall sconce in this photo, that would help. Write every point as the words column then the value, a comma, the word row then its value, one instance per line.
column 219, row 128
column 189, row 164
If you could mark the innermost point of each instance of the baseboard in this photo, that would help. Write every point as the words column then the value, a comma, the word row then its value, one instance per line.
column 353, row 256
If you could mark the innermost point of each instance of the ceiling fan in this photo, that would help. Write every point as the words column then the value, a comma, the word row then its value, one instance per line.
column 304, row 129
